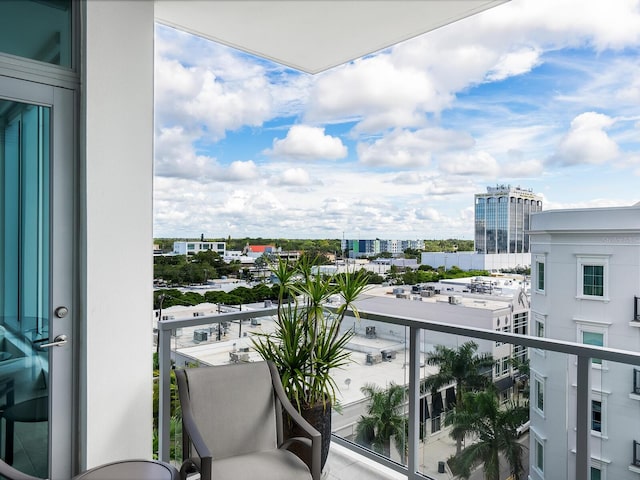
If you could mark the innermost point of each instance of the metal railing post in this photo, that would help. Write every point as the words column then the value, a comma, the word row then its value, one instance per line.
column 164, row 392
column 583, row 418
column 414, row 399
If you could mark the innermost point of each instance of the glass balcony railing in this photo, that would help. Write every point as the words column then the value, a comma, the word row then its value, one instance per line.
column 546, row 398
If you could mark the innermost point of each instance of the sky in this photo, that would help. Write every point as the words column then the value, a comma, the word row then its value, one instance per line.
column 536, row 94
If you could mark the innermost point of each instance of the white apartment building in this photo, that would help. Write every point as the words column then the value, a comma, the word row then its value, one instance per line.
column 191, row 248
column 585, row 289
column 503, row 309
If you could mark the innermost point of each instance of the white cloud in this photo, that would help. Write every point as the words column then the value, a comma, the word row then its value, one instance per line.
column 308, row 143
column 476, row 163
column 297, row 177
column 515, row 63
column 376, row 90
column 410, row 149
column 410, row 178
column 587, row 142
column 520, row 168
column 176, row 157
column 240, row 171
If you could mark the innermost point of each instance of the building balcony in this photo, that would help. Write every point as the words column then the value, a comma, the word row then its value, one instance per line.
column 563, row 382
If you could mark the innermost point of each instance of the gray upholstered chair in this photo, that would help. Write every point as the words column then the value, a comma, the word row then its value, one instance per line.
column 232, row 416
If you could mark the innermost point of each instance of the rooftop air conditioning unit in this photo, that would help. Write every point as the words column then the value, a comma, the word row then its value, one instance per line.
column 371, row 332
column 388, row 355
column 372, row 359
column 200, row 335
column 454, row 299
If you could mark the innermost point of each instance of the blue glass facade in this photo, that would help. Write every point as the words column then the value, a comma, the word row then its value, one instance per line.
column 502, row 217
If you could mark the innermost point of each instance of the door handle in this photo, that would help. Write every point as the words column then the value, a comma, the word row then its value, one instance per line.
column 57, row 342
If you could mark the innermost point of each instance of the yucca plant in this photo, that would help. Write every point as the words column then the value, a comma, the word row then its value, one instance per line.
column 307, row 343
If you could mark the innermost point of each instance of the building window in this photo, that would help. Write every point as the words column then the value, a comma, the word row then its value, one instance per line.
column 539, row 328
column 636, row 309
column 539, row 278
column 596, row 474
column 538, row 456
column 593, row 278
column 538, row 392
column 596, row 416
column 595, row 339
column 636, row 381
column 636, row 453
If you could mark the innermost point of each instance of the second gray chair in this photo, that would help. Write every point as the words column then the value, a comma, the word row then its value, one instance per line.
column 232, row 416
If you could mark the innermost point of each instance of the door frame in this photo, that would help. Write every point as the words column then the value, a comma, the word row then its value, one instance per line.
column 63, row 225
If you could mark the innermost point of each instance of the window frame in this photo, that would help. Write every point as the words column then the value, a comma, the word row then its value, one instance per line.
column 602, row 399
column 540, row 260
column 588, row 327
column 593, row 261
column 539, row 387
column 539, row 319
column 538, row 454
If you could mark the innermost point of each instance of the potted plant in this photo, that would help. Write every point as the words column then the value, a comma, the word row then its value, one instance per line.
column 307, row 343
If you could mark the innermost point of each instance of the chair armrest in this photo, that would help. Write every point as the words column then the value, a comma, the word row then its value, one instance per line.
column 190, row 428
column 11, row 473
column 310, row 432
column 289, row 442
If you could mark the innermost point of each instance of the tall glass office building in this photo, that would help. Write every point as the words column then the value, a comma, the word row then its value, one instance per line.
column 502, row 219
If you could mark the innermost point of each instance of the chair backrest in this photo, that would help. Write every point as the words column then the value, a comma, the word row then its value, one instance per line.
column 234, row 407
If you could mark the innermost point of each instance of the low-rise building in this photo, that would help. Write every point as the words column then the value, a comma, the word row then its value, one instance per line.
column 194, row 247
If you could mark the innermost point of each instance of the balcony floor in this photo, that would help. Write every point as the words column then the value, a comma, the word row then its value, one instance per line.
column 343, row 464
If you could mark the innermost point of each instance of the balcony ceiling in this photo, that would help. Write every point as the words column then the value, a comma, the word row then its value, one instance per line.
column 313, row 35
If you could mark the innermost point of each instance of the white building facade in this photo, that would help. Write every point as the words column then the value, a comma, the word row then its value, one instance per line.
column 192, row 248
column 585, row 288
column 476, row 261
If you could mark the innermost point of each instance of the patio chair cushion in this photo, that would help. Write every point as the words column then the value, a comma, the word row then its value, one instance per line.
column 235, row 408
column 266, row 465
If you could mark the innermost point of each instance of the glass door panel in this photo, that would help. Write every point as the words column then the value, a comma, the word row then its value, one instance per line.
column 24, row 285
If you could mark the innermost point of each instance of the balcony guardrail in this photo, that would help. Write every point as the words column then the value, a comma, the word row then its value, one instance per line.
column 584, row 354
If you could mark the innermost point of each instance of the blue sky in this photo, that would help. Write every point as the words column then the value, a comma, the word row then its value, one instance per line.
column 541, row 94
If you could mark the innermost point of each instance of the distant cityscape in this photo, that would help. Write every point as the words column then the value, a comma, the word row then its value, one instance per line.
column 580, row 284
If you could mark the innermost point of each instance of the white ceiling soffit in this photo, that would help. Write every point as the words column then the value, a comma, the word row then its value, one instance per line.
column 313, row 35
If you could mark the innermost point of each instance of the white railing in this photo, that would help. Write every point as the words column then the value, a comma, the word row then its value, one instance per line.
column 584, row 354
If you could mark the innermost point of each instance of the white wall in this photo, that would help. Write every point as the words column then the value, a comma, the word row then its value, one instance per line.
column 558, row 238
column 116, row 202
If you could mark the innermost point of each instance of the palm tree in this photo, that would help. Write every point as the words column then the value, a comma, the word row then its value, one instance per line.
column 461, row 366
column 384, row 419
column 495, row 429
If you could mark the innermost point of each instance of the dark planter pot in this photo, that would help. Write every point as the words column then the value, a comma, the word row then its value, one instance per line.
column 319, row 416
